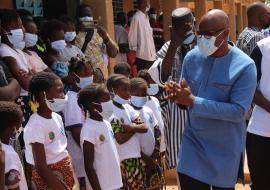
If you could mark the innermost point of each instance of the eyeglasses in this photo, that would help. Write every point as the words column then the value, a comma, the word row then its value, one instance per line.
column 209, row 34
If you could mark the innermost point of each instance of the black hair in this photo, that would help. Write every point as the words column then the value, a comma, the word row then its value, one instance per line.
column 40, row 82
column 90, row 94
column 122, row 68
column 137, row 82
column 80, row 9
column 152, row 11
column 25, row 14
column 111, row 80
column 50, row 28
column 77, row 64
column 67, row 20
column 121, row 18
column 40, row 21
column 26, row 21
column 10, row 113
column 119, row 80
column 7, row 16
column 144, row 75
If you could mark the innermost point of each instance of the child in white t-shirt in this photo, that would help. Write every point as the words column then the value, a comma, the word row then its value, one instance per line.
column 154, row 105
column 10, row 124
column 44, row 135
column 101, row 158
column 150, row 142
column 126, row 123
column 74, row 116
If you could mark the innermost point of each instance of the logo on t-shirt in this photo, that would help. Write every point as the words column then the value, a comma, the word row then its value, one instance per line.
column 102, row 138
column 51, row 135
column 151, row 120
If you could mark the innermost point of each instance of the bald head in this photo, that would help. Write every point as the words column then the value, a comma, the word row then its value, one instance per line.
column 258, row 15
column 214, row 20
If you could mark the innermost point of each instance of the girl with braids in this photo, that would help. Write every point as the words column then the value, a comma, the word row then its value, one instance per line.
column 101, row 158
column 73, row 116
column 126, row 124
column 44, row 135
column 150, row 141
column 10, row 123
column 53, row 36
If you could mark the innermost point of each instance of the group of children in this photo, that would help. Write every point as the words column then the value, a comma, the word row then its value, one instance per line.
column 103, row 135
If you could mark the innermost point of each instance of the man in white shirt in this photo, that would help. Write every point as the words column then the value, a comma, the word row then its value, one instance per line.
column 141, row 37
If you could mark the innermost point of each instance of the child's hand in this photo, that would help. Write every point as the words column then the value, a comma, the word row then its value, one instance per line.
column 128, row 128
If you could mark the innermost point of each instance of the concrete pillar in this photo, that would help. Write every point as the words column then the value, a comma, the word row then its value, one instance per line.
column 169, row 6
column 232, row 20
column 200, row 9
column 239, row 17
column 103, row 11
column 218, row 4
column 244, row 13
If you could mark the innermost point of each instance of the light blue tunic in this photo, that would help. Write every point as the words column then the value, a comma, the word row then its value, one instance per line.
column 214, row 137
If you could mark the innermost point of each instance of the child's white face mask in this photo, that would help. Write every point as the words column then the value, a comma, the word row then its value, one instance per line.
column 56, row 104
column 138, row 101
column 153, row 89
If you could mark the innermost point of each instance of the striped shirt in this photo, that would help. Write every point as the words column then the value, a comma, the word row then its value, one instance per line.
column 248, row 39
column 173, row 116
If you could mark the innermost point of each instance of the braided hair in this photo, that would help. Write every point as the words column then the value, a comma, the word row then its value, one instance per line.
column 137, row 82
column 40, row 82
column 90, row 94
column 10, row 113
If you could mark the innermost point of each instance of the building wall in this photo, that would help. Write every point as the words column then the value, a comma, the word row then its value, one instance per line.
column 6, row 4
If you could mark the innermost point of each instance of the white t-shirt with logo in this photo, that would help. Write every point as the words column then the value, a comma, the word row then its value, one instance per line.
column 131, row 148
column 147, row 140
column 13, row 162
column 106, row 161
column 49, row 132
column 154, row 105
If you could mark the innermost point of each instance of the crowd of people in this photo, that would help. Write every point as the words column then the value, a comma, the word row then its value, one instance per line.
column 189, row 103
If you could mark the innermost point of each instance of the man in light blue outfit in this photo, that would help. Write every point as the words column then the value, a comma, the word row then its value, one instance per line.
column 219, row 85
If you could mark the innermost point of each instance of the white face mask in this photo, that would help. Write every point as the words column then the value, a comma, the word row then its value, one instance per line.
column 20, row 45
column 30, row 39
column 70, row 36
column 153, row 16
column 207, row 46
column 16, row 36
column 120, row 100
column 107, row 109
column 86, row 19
column 147, row 8
column 58, row 45
column 85, row 81
column 190, row 36
column 57, row 104
column 153, row 89
column 138, row 101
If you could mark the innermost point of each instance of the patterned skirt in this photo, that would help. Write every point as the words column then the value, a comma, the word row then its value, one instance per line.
column 133, row 174
column 155, row 176
column 62, row 171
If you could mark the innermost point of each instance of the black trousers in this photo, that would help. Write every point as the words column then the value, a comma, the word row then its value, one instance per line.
column 143, row 64
column 258, row 155
column 188, row 183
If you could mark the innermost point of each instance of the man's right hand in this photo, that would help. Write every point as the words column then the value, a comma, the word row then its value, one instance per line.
column 178, row 34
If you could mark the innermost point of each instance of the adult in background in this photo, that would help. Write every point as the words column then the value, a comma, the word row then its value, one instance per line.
column 258, row 136
column 168, row 66
column 258, row 18
column 157, row 29
column 93, row 40
column 220, row 81
column 140, row 37
column 121, row 37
